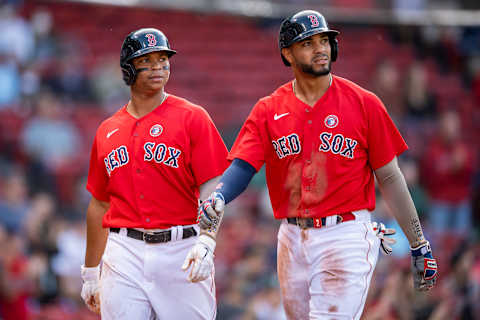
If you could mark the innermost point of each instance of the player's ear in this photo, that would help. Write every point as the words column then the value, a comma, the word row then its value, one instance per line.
column 287, row 54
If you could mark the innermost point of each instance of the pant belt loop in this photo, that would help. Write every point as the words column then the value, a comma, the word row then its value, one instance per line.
column 123, row 232
column 179, row 232
column 331, row 220
column 173, row 233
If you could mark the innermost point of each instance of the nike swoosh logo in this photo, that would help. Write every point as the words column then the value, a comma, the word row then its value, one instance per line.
column 278, row 116
column 111, row 132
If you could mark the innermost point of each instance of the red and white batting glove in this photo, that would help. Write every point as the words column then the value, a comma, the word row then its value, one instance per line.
column 424, row 267
column 382, row 232
column 90, row 288
column 200, row 259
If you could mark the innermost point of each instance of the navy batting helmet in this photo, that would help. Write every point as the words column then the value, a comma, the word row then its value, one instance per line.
column 302, row 25
column 139, row 43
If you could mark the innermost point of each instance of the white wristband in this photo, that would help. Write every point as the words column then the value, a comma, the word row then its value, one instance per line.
column 91, row 273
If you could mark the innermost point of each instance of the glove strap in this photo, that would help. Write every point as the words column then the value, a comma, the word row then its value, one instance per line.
column 90, row 273
column 421, row 250
column 208, row 241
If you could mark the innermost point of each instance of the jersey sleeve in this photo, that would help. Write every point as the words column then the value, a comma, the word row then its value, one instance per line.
column 383, row 138
column 97, row 175
column 249, row 145
column 209, row 153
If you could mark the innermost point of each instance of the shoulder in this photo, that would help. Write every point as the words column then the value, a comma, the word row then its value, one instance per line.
column 349, row 88
column 185, row 106
column 276, row 97
column 115, row 120
column 188, row 114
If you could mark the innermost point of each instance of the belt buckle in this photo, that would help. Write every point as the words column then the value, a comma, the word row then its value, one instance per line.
column 302, row 223
column 149, row 237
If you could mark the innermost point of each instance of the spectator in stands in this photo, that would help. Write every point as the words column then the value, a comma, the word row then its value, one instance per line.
column 386, row 84
column 14, row 202
column 447, row 169
column 41, row 233
column 394, row 300
column 410, row 170
column 108, row 85
column 419, row 100
column 16, row 282
column 50, row 137
column 46, row 41
column 266, row 303
column 16, row 36
column 9, row 78
column 460, row 291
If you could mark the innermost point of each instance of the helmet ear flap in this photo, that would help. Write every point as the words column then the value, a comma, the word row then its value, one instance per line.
column 129, row 73
column 334, row 48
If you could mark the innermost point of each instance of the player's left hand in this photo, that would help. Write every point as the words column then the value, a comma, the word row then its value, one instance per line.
column 200, row 259
column 424, row 267
column 90, row 288
column 383, row 232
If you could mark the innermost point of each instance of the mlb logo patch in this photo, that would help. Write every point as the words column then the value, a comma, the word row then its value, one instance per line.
column 156, row 130
column 331, row 121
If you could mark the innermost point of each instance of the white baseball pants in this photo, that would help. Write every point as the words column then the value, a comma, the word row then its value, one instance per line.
column 145, row 281
column 325, row 273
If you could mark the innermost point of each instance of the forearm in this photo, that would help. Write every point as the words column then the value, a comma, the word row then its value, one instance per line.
column 394, row 190
column 235, row 179
column 208, row 187
column 96, row 234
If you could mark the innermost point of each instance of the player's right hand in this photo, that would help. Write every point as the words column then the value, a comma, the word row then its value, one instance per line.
column 200, row 258
column 424, row 267
column 90, row 288
column 210, row 211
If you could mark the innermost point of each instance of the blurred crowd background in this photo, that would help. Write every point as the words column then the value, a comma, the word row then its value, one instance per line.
column 60, row 77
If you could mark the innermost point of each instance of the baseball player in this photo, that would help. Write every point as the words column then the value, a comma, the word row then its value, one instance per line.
column 149, row 164
column 323, row 139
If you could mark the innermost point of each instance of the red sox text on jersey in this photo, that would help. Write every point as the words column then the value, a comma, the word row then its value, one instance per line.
column 159, row 153
column 337, row 144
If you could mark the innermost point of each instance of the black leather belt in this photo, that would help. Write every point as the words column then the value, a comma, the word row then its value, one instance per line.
column 156, row 237
column 305, row 223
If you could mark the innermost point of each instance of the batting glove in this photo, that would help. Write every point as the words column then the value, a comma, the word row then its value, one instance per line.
column 382, row 232
column 424, row 267
column 210, row 211
column 90, row 288
column 200, row 258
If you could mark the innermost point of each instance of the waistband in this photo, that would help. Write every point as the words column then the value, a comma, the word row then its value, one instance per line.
column 305, row 223
column 172, row 234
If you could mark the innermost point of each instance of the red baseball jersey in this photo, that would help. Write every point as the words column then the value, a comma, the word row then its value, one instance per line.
column 319, row 159
column 150, row 169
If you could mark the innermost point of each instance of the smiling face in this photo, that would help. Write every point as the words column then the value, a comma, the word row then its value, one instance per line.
column 311, row 55
column 153, row 71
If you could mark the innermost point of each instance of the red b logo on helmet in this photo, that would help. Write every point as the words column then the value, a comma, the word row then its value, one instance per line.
column 313, row 20
column 151, row 39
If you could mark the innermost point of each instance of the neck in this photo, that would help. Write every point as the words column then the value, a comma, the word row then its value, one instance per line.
column 142, row 104
column 310, row 89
